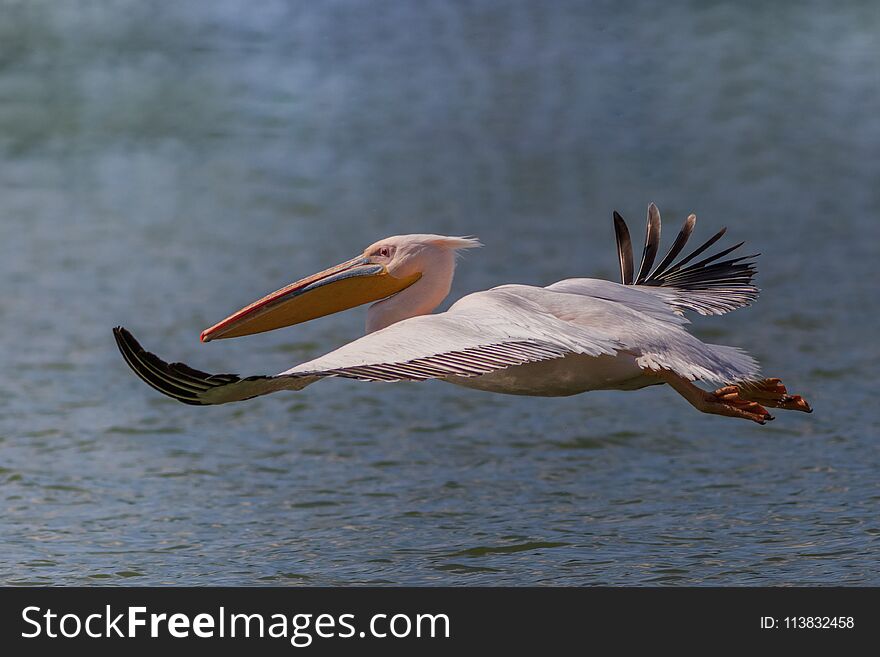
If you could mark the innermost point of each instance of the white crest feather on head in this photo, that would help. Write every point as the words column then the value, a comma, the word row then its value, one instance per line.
column 457, row 243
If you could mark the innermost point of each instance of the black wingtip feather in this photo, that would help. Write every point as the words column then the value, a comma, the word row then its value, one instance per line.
column 176, row 380
column 652, row 243
column 693, row 254
column 681, row 239
column 624, row 249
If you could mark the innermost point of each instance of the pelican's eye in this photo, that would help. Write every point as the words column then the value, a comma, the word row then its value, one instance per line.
column 384, row 252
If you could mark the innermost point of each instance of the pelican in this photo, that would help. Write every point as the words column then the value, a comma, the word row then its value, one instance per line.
column 573, row 336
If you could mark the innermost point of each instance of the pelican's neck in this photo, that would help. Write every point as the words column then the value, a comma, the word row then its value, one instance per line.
column 420, row 298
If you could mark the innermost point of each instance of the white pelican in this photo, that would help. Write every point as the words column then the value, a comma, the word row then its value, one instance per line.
column 576, row 335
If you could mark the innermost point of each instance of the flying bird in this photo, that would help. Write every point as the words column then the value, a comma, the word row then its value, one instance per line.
column 573, row 336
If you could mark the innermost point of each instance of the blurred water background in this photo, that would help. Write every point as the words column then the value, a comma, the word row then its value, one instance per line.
column 161, row 164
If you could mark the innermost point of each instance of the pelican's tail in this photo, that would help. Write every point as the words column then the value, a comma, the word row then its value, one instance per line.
column 710, row 286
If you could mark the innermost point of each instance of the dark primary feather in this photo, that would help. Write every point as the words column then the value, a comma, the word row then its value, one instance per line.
column 710, row 286
column 693, row 254
column 624, row 249
column 680, row 240
column 712, row 258
column 652, row 243
column 176, row 380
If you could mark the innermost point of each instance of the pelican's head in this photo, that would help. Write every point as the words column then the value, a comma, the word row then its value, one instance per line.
column 384, row 269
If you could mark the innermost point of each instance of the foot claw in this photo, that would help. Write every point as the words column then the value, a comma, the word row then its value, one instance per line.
column 772, row 392
column 727, row 401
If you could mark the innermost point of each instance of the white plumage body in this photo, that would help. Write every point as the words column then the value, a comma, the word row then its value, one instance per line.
column 563, row 377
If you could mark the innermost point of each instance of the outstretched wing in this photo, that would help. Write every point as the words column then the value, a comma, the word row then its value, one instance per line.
column 711, row 286
column 483, row 335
